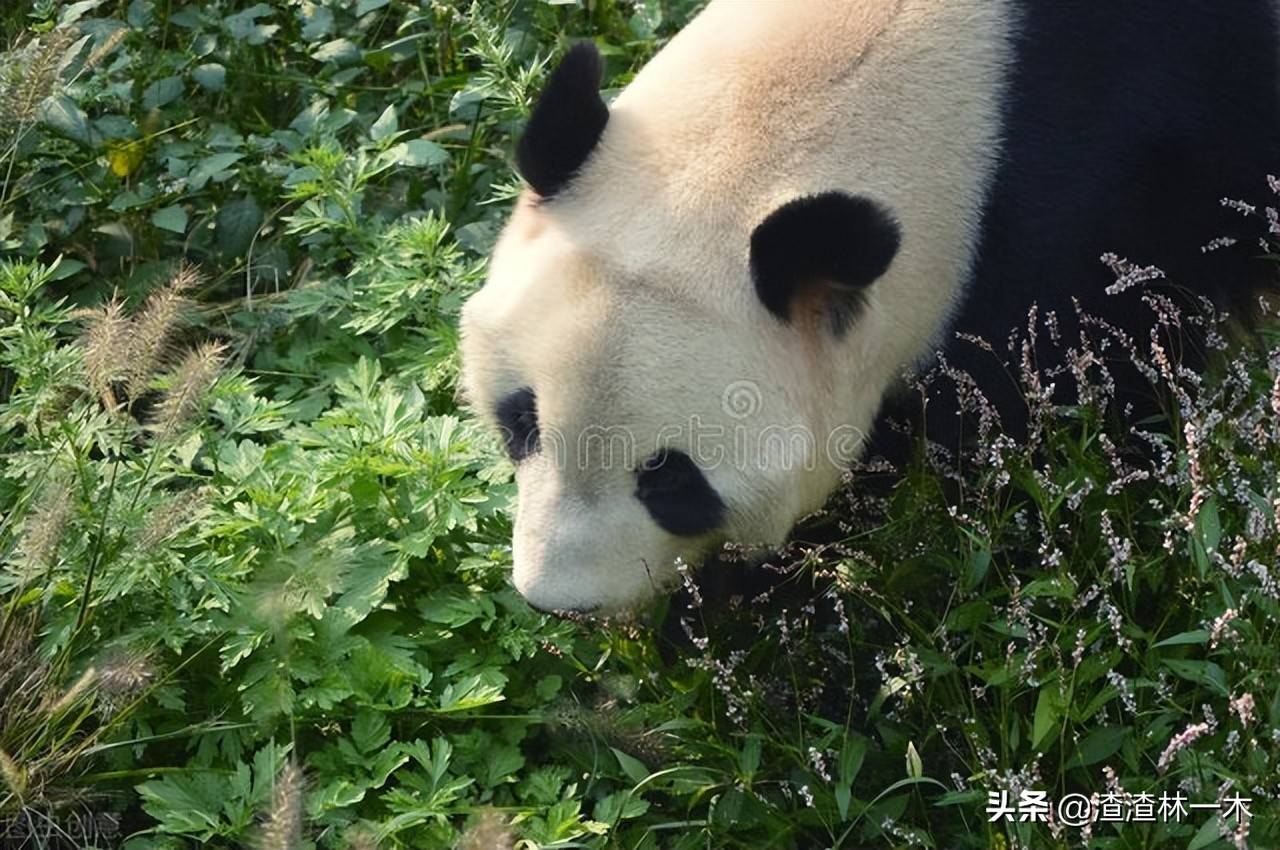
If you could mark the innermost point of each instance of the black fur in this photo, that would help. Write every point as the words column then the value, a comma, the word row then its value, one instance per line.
column 677, row 494
column 841, row 243
column 566, row 124
column 517, row 416
column 1124, row 125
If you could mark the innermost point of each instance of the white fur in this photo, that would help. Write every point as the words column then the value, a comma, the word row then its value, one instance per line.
column 627, row 302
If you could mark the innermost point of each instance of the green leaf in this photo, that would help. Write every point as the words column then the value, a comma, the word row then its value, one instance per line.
column 1206, row 835
column 370, row 731
column 1194, row 636
column 1061, row 587
column 473, row 692
column 979, row 563
column 844, row 795
column 1205, row 673
column 631, row 766
column 915, row 765
column 619, row 806
column 64, row 268
column 501, row 761
column 548, row 687
column 214, row 165
column 318, row 21
column 367, row 583
column 210, row 76
column 75, row 11
column 386, row 125
column 244, row 26
column 419, row 152
column 161, row 92
column 236, row 225
column 957, row 798
column 1048, row 716
column 851, row 756
column 61, row 114
column 340, row 51
column 1098, row 745
column 1209, row 525
column 749, row 758
column 172, row 218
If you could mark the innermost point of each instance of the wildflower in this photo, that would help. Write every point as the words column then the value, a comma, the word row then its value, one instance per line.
column 1243, row 706
column 1128, row 275
column 1180, row 742
column 1123, row 686
column 1116, row 621
column 1220, row 627
column 1218, row 244
column 818, row 761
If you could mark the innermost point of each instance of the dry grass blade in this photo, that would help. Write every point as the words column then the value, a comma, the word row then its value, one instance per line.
column 43, row 728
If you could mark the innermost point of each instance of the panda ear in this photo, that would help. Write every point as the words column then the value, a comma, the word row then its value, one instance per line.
column 566, row 124
column 822, row 251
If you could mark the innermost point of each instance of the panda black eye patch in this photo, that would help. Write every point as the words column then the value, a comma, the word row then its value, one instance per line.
column 677, row 495
column 518, row 423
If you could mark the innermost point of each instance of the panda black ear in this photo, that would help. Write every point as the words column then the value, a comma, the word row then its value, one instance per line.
column 823, row 250
column 566, row 124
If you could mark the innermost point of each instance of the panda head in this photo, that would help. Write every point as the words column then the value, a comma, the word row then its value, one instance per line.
column 670, row 359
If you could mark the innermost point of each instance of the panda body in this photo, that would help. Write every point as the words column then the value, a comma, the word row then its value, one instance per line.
column 694, row 317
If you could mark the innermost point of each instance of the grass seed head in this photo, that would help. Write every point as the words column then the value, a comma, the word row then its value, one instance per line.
column 31, row 78
column 46, row 525
column 489, row 832
column 106, row 349
column 153, row 329
column 190, row 382
column 282, row 827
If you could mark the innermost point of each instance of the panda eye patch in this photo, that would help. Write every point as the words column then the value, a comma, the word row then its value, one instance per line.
column 518, row 423
column 677, row 495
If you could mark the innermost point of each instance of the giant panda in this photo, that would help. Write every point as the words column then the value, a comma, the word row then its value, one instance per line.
column 712, row 286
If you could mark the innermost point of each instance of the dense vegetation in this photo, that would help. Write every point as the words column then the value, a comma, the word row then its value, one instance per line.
column 255, row 559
